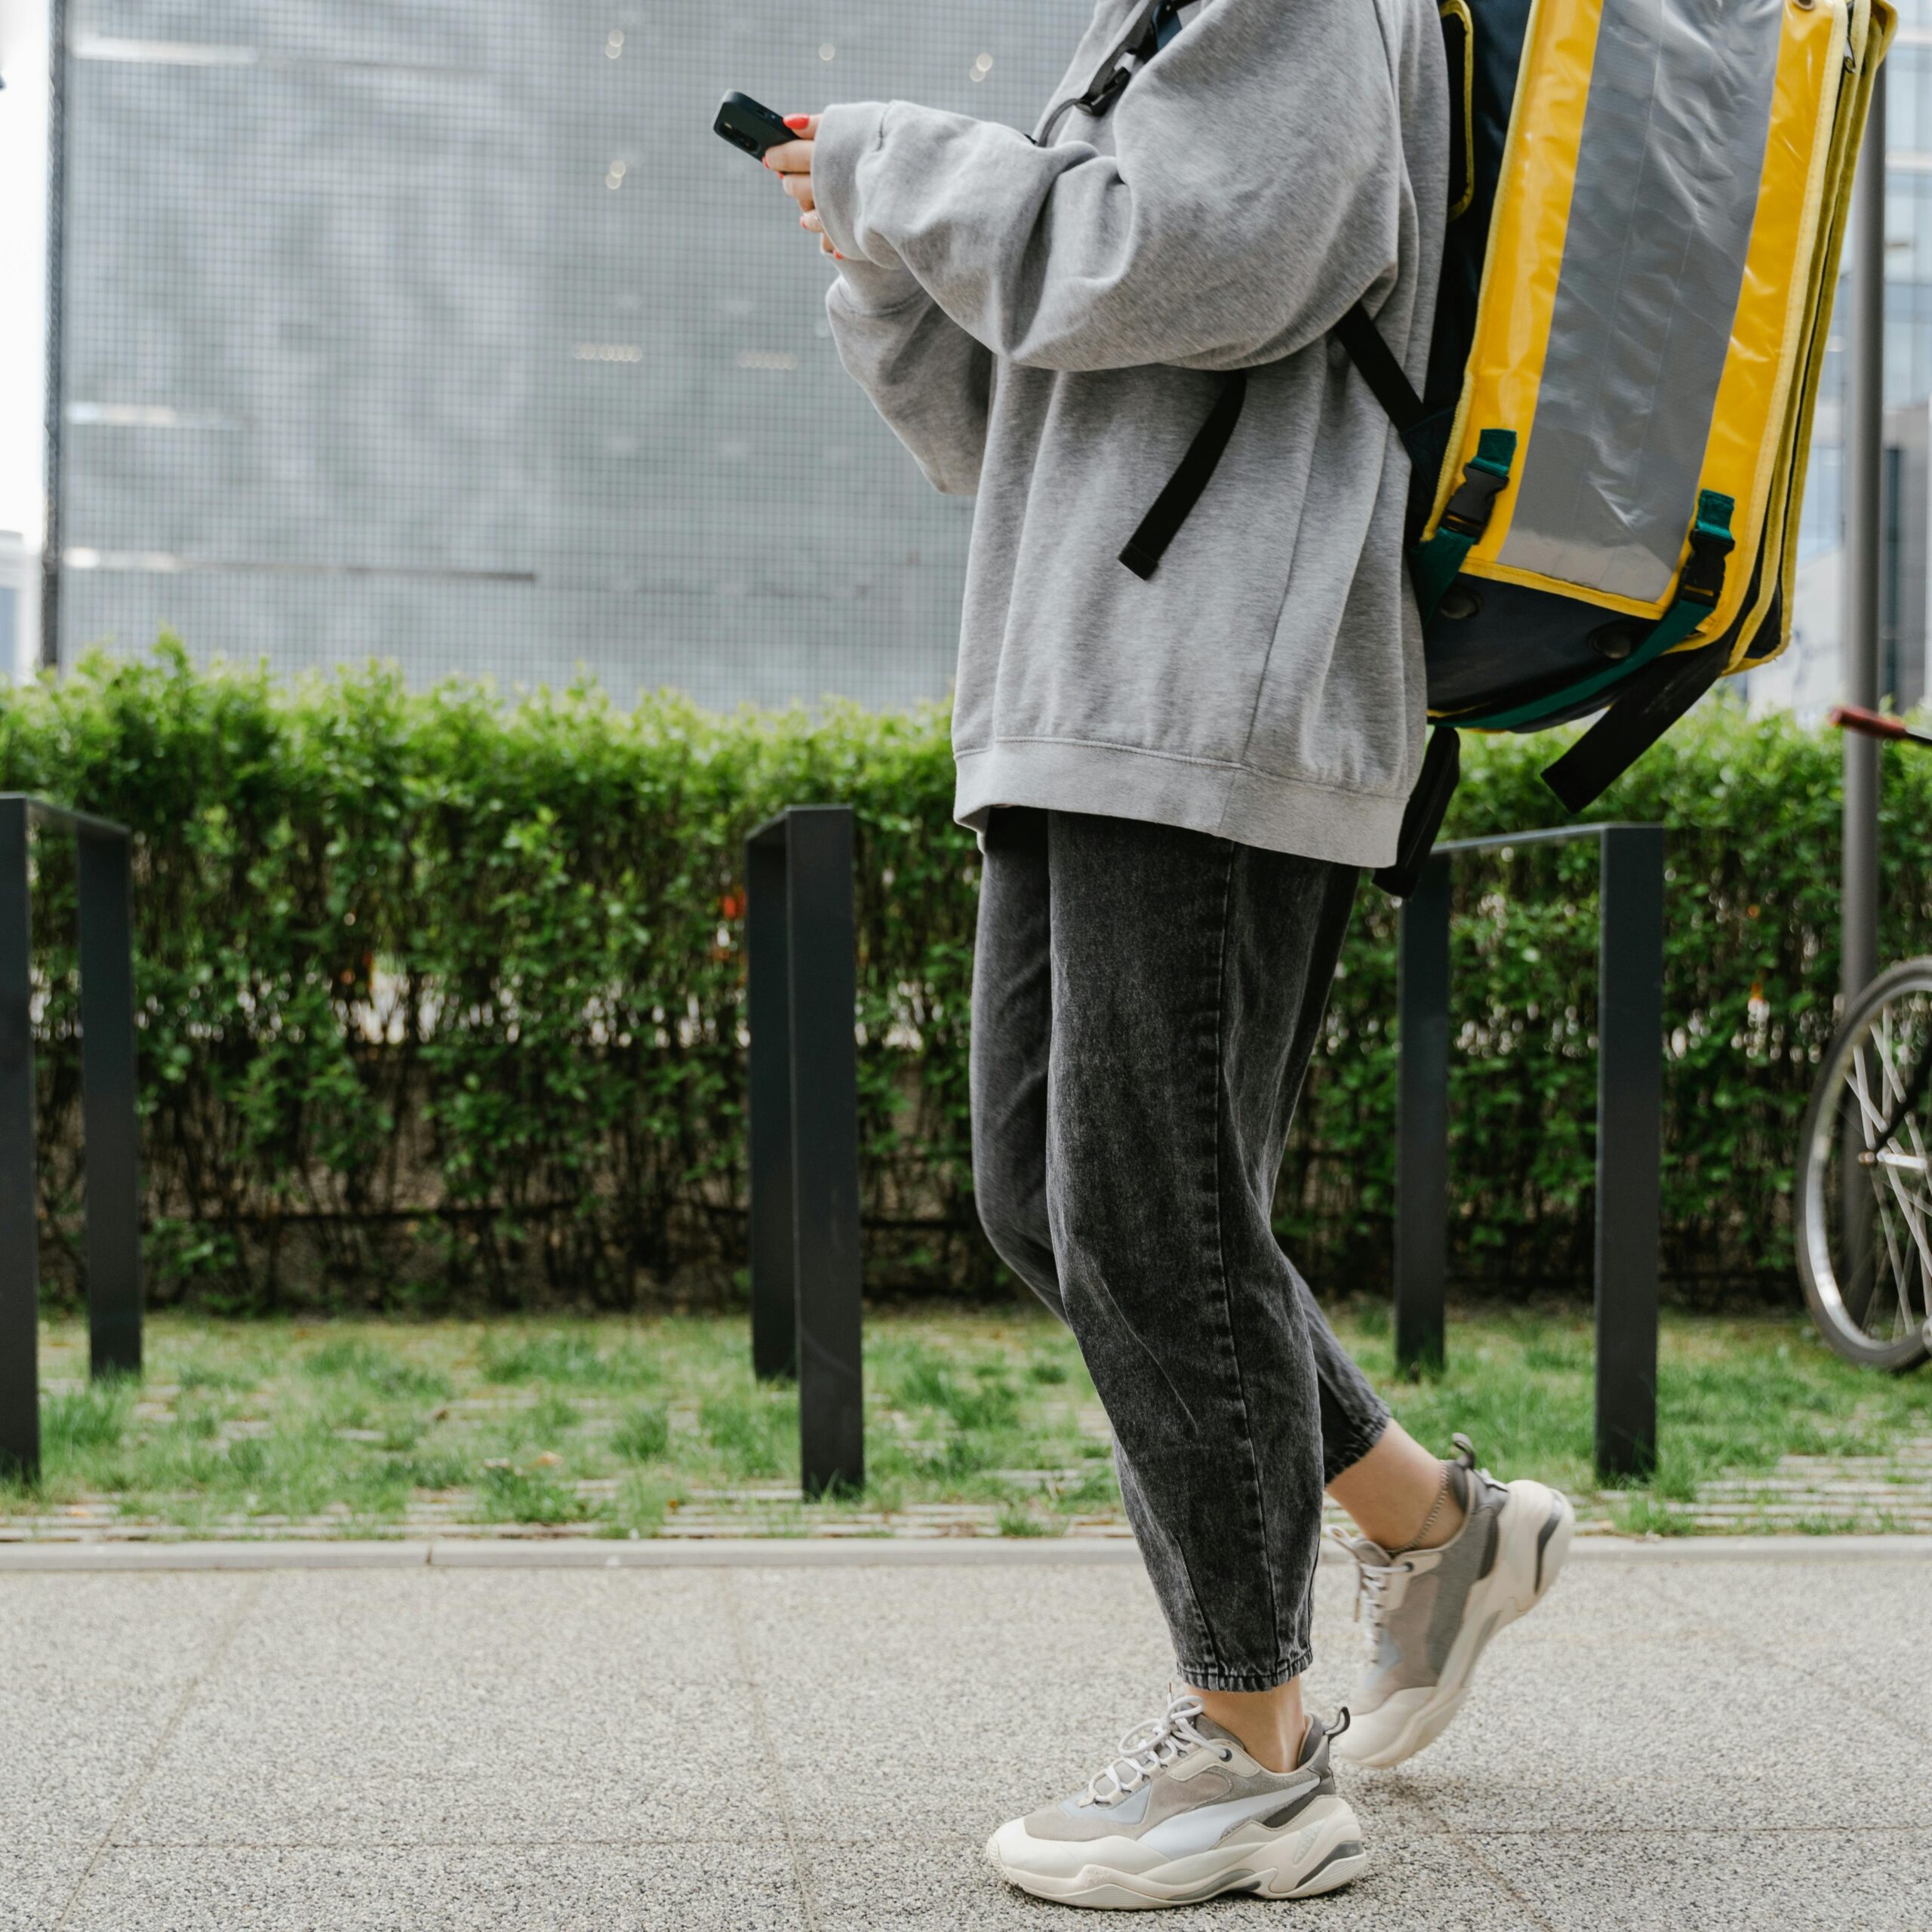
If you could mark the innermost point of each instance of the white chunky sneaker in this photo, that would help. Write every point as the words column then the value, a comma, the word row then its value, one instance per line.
column 1432, row 1612
column 1183, row 1814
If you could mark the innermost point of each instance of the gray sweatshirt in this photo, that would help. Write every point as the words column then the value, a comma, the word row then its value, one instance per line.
column 1040, row 325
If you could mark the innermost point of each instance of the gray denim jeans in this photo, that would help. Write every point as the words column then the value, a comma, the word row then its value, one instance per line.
column 1145, row 1001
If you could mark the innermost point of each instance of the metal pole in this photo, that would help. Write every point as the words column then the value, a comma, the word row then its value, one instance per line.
column 110, row 1119
column 19, row 1218
column 825, row 1146
column 53, row 541
column 1422, row 1145
column 1630, row 1148
column 1864, row 438
column 769, row 1138
column 1864, row 515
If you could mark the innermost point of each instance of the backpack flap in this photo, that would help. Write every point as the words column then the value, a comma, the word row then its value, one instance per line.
column 1638, row 337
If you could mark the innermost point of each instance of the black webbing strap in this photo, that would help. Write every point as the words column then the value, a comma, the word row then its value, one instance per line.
column 1657, row 697
column 1378, row 367
column 1149, row 544
column 1429, row 805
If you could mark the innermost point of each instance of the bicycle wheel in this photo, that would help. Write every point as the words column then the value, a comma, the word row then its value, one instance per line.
column 1865, row 1181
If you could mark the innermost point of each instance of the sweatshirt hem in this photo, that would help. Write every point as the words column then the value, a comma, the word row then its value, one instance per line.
column 1198, row 795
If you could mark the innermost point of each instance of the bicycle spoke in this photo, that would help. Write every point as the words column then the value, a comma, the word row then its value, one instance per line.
column 1858, row 1286
column 1868, row 1315
column 1900, row 1261
column 1915, row 1226
column 1908, row 1248
column 1870, row 1119
column 1911, row 1205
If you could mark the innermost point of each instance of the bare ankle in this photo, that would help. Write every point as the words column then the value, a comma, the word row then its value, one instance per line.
column 1444, row 1522
column 1267, row 1724
column 1446, row 1514
column 1392, row 1491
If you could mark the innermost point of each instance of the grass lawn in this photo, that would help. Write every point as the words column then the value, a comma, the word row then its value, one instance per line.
column 977, row 1420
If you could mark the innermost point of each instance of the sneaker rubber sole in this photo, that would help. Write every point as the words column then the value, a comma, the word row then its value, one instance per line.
column 1532, row 1540
column 1321, row 1851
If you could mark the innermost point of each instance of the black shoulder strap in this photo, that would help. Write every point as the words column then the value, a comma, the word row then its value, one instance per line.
column 1428, row 806
column 1378, row 367
column 1147, row 545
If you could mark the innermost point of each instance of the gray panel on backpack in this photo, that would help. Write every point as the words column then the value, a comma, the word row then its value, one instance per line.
column 1660, row 221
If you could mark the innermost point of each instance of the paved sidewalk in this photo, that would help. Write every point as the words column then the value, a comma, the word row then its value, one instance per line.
column 1740, row 1738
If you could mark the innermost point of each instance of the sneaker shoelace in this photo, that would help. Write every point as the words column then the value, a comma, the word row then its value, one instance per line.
column 1372, row 1579
column 1371, row 1582
column 1149, row 1747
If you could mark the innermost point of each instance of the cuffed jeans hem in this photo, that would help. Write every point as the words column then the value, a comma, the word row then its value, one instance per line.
column 1338, row 1458
column 1211, row 1677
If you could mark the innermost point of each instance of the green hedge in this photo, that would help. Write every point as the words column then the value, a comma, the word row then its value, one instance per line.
column 441, row 996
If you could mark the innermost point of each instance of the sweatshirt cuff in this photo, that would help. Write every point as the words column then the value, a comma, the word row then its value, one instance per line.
column 846, row 135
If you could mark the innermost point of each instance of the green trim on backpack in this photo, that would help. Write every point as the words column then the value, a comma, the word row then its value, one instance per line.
column 1465, row 517
column 1699, row 588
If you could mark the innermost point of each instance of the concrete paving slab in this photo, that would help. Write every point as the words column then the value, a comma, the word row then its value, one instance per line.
column 1716, row 1881
column 91, row 1669
column 1663, row 1743
column 1692, row 1761
column 557, row 1888
column 1678, row 1733
column 1412, row 1885
column 987, row 1684
column 1858, row 1631
column 792, row 1552
column 36, row 1882
column 395, row 1709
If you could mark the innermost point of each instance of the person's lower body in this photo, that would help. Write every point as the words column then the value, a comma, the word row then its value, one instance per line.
column 1146, row 1003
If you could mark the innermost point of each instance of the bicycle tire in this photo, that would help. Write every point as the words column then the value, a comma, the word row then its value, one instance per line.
column 1816, row 1146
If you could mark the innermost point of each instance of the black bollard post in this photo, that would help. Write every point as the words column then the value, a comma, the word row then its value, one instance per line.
column 19, row 1220
column 805, row 1149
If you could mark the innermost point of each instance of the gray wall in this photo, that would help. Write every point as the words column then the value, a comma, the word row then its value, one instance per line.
column 365, row 357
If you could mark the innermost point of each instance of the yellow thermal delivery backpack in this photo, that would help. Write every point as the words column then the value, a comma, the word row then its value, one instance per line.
column 1647, row 204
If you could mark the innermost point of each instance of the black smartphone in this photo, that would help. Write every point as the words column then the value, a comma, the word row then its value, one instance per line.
column 750, row 124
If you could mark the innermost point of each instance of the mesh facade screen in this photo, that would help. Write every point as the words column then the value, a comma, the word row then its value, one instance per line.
column 447, row 332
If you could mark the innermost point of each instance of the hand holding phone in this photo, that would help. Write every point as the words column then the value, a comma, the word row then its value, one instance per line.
column 751, row 125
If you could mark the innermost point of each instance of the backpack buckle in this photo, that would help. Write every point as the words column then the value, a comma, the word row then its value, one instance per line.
column 1467, row 511
column 1098, row 99
column 1702, row 581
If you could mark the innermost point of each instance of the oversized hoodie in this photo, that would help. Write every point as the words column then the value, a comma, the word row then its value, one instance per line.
column 1043, row 323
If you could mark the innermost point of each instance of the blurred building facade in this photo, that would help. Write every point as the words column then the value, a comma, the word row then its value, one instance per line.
column 445, row 331
column 18, row 603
